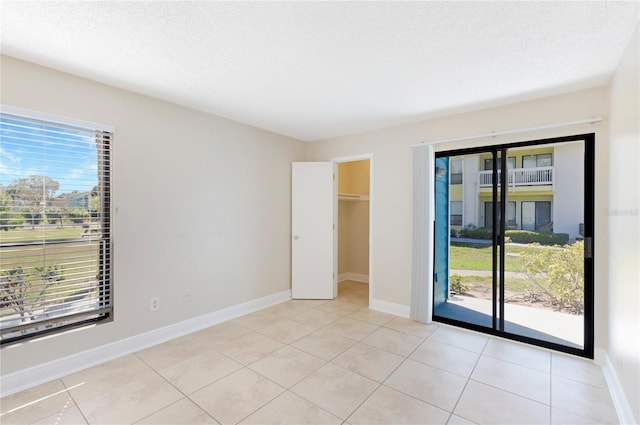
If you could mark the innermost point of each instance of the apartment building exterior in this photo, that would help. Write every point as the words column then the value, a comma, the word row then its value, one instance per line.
column 541, row 193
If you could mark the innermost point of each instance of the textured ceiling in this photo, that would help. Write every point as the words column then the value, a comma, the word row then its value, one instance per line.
column 314, row 70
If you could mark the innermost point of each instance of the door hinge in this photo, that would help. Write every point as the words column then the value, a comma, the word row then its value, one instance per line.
column 334, row 177
column 588, row 247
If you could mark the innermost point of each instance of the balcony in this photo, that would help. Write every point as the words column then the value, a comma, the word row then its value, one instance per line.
column 537, row 176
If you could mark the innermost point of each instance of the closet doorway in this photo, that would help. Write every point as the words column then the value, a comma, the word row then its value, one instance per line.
column 353, row 224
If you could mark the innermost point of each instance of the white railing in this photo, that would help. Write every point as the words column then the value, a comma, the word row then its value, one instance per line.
column 521, row 177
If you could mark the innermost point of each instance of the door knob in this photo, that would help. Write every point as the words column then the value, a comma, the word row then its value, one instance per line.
column 296, row 237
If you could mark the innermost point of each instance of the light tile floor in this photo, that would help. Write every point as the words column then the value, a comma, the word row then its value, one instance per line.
column 325, row 362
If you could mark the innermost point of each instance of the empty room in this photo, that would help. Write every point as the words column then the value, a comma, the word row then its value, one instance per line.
column 319, row 212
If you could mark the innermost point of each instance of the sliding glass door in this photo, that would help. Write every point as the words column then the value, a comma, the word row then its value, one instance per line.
column 513, row 241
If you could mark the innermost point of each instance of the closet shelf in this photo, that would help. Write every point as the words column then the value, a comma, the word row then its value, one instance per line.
column 352, row 197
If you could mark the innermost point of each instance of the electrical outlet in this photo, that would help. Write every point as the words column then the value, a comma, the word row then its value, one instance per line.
column 154, row 303
column 186, row 297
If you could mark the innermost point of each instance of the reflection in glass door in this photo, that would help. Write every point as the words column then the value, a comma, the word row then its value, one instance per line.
column 512, row 250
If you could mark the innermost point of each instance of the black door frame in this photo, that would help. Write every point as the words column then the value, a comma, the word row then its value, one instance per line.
column 499, row 198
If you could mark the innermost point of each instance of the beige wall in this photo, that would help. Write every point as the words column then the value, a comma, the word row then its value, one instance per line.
column 392, row 187
column 202, row 205
column 624, row 225
column 353, row 218
column 353, row 177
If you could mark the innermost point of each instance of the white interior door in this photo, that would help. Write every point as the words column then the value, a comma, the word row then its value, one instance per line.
column 312, row 230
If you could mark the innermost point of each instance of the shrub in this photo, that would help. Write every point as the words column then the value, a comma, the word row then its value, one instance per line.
column 33, row 218
column 559, row 273
column 472, row 232
column 77, row 215
column 456, row 285
column 543, row 238
column 518, row 236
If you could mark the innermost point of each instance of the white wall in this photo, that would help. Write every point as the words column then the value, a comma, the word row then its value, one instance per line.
column 568, row 173
column 391, row 214
column 624, row 225
column 202, row 205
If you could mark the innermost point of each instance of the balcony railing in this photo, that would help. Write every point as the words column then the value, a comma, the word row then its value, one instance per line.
column 521, row 177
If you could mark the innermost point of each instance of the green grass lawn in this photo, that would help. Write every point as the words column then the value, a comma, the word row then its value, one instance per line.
column 26, row 234
column 73, row 264
column 478, row 257
column 511, row 283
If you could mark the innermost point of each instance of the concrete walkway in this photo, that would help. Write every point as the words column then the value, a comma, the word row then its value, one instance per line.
column 547, row 325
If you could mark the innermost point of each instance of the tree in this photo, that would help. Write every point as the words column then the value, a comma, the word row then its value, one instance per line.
column 54, row 215
column 32, row 194
column 94, row 206
column 9, row 219
column 26, row 293
column 76, row 215
column 559, row 273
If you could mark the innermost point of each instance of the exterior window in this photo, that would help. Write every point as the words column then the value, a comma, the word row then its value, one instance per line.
column 539, row 160
column 55, row 226
column 455, row 215
column 455, row 171
column 511, row 214
column 511, row 163
column 536, row 215
column 488, row 164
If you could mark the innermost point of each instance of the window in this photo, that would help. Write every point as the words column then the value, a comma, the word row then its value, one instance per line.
column 511, row 163
column 55, row 226
column 455, row 215
column 536, row 215
column 456, row 171
column 511, row 214
column 538, row 160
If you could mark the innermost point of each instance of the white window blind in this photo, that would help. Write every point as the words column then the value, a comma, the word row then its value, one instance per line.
column 55, row 226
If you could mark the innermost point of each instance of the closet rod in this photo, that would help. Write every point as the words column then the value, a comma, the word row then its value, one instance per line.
column 519, row 130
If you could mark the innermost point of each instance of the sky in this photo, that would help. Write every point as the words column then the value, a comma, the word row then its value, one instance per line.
column 65, row 155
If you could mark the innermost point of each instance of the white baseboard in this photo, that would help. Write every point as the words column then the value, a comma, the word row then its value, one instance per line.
column 36, row 375
column 358, row 277
column 620, row 402
column 388, row 307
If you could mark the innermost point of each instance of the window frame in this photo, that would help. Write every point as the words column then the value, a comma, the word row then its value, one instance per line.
column 102, row 309
column 451, row 214
column 456, row 178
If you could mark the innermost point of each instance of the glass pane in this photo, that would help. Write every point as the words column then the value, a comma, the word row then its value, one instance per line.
column 528, row 215
column 543, row 216
column 544, row 269
column 456, row 171
column 544, row 160
column 463, row 266
column 511, row 215
column 441, row 252
column 529, row 161
column 456, row 213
